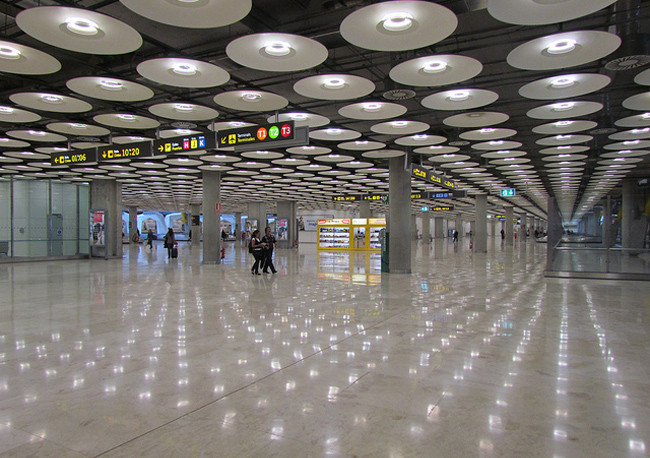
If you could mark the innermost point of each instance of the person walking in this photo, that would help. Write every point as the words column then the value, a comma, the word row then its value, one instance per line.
column 455, row 236
column 503, row 234
column 257, row 248
column 169, row 242
column 150, row 238
column 271, row 243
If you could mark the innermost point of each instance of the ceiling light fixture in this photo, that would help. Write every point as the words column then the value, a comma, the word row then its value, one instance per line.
column 562, row 82
column 397, row 22
column 111, row 85
column 435, row 66
column 38, row 133
column 183, row 107
column 563, row 123
column 333, row 131
column 561, row 47
column 562, row 106
column 50, row 98
column 77, row 125
column 371, row 107
column 6, row 110
column 298, row 116
column 126, row 117
column 334, row 83
column 399, row 124
column 184, row 69
column 8, row 52
column 459, row 96
column 81, row 26
column 251, row 96
column 277, row 48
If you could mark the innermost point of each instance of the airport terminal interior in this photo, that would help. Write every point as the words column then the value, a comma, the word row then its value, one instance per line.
column 459, row 193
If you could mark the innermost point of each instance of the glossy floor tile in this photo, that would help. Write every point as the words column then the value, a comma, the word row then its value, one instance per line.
column 470, row 355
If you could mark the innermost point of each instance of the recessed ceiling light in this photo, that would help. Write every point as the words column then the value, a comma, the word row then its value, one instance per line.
column 39, row 133
column 435, row 66
column 50, row 98
column 126, row 117
column 298, row 116
column 459, row 96
column 277, row 48
column 334, row 83
column 81, row 26
column 561, row 47
column 372, row 107
column 78, row 125
column 563, row 123
column 563, row 82
column 251, row 96
column 184, row 69
column 6, row 110
column 236, row 124
column 333, row 131
column 183, row 107
column 397, row 22
column 399, row 124
column 9, row 52
column 111, row 85
column 562, row 106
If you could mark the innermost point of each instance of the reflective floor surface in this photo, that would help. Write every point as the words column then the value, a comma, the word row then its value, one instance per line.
column 470, row 355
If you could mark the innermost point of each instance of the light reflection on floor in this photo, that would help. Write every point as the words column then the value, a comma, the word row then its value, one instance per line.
column 470, row 355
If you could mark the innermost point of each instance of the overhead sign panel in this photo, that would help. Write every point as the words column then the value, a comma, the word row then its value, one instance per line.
column 430, row 177
column 441, row 209
column 508, row 192
column 183, row 144
column 74, row 157
column 256, row 135
column 132, row 150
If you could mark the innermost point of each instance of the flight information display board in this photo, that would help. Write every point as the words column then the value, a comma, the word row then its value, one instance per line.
column 74, row 157
column 132, row 150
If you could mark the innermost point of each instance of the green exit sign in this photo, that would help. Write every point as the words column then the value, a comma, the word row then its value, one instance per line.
column 508, row 192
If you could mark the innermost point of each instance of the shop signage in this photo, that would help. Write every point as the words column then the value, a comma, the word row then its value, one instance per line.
column 74, row 157
column 430, row 177
column 332, row 222
column 508, row 192
column 442, row 209
column 255, row 135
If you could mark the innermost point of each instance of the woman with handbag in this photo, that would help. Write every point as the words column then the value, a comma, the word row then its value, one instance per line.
column 169, row 242
column 257, row 249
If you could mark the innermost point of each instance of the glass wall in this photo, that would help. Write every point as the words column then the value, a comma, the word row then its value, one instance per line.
column 43, row 218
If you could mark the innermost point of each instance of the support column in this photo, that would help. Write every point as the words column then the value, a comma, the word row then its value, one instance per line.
column 426, row 227
column 257, row 212
column 133, row 223
column 607, row 222
column 211, row 219
column 364, row 209
column 459, row 225
column 554, row 230
column 493, row 226
column 438, row 229
column 522, row 227
column 107, row 195
column 628, row 213
column 510, row 228
column 414, row 226
column 399, row 245
column 238, row 225
column 286, row 210
column 195, row 223
column 480, row 226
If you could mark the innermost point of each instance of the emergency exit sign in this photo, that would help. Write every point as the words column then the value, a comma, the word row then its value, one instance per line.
column 508, row 192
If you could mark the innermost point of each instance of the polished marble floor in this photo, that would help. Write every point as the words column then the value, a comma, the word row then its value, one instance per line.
column 470, row 355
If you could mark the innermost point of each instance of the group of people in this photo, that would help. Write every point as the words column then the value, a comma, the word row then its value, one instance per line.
column 262, row 250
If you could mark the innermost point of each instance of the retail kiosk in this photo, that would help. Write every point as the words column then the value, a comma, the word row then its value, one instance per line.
column 350, row 234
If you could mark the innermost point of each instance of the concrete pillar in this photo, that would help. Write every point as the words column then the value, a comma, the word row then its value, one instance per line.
column 195, row 222
column 133, row 223
column 399, row 246
column 364, row 209
column 426, row 227
column 211, row 218
column 510, row 228
column 493, row 227
column 554, row 230
column 286, row 210
column 414, row 226
column 480, row 225
column 257, row 213
column 106, row 195
column 522, row 227
column 438, row 229
column 628, row 213
column 238, row 225
column 607, row 222
column 459, row 225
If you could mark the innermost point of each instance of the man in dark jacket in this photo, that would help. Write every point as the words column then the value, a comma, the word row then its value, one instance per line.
column 271, row 243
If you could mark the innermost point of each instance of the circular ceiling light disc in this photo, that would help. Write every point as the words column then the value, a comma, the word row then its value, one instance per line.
column 562, row 50
column 421, row 140
column 23, row 60
column 564, row 110
column 50, row 102
column 641, row 120
column 361, row 145
column 334, row 134
column 276, row 52
column 36, row 136
column 126, row 121
column 183, row 111
column 398, row 25
column 564, row 150
column 16, row 115
column 178, row 72
column 564, row 127
column 399, row 127
column 334, row 87
column 384, row 154
column 436, row 70
column 372, row 110
column 301, row 119
column 629, row 144
column 495, row 145
column 560, row 140
column 11, row 143
column 487, row 134
column 74, row 128
column 476, row 119
column 308, row 150
column 634, row 134
column 564, row 86
column 436, row 149
column 251, row 100
column 539, row 12
column 459, row 99
column 196, row 14
column 108, row 88
column 79, row 30
column 643, row 78
column 638, row 102
column 225, row 125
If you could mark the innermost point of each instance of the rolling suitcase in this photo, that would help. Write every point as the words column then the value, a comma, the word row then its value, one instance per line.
column 175, row 252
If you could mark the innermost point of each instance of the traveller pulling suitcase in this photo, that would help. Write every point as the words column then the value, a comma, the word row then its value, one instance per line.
column 175, row 250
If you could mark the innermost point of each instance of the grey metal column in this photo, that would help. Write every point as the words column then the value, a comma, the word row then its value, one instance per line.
column 480, row 234
column 459, row 225
column 286, row 209
column 607, row 222
column 510, row 228
column 493, row 227
column 107, row 195
column 133, row 223
column 211, row 219
column 195, row 217
column 414, row 226
column 438, row 230
column 257, row 211
column 399, row 245
column 426, row 226
column 554, row 230
column 238, row 225
column 628, row 213
column 364, row 209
